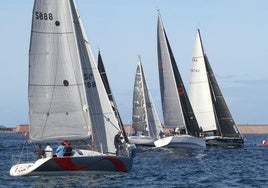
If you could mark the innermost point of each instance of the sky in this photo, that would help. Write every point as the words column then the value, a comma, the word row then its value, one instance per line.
column 234, row 35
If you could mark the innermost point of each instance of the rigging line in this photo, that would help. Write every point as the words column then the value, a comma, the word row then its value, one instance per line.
column 108, row 119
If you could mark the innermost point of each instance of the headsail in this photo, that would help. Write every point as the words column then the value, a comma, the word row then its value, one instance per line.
column 199, row 91
column 177, row 109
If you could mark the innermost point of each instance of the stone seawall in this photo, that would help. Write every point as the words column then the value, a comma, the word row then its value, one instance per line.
column 253, row 129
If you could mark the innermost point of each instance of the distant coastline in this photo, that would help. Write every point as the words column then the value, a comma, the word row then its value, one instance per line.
column 243, row 128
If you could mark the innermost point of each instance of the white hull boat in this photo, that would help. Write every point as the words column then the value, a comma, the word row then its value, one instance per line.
column 141, row 140
column 68, row 99
column 210, row 107
column 177, row 110
column 83, row 161
column 180, row 141
column 145, row 120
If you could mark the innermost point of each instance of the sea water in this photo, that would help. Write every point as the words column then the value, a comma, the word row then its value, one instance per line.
column 158, row 167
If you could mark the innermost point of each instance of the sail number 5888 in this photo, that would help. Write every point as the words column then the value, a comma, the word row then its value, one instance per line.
column 43, row 16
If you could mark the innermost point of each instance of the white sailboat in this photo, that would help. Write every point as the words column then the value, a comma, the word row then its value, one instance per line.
column 208, row 103
column 67, row 98
column 145, row 121
column 177, row 110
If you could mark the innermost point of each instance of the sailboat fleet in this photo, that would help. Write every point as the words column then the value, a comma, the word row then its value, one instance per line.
column 70, row 99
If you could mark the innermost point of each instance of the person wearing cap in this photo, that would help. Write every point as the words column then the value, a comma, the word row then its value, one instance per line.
column 117, row 142
column 68, row 151
column 61, row 150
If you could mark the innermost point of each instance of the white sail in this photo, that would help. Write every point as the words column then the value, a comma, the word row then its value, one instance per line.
column 172, row 111
column 67, row 99
column 199, row 90
column 144, row 115
column 56, row 85
column 153, row 119
column 104, row 122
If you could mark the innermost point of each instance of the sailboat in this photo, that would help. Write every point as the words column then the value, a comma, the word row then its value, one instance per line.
column 177, row 110
column 67, row 97
column 145, row 121
column 210, row 108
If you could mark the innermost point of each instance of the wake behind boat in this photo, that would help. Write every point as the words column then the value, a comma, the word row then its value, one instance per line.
column 177, row 110
column 210, row 108
column 67, row 97
column 145, row 121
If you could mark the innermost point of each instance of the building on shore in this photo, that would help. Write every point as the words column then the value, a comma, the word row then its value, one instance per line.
column 22, row 128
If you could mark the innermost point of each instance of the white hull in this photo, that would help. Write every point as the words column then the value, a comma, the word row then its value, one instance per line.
column 83, row 161
column 141, row 140
column 181, row 141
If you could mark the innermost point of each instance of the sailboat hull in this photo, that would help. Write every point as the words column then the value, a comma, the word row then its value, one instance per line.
column 141, row 140
column 224, row 142
column 74, row 165
column 181, row 141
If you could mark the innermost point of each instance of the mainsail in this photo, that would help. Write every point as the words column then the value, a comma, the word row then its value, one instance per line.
column 144, row 115
column 177, row 110
column 67, row 98
column 56, row 86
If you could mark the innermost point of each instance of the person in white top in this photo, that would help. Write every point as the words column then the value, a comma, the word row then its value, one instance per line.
column 48, row 151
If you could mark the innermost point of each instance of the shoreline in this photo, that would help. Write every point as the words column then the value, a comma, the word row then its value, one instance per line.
column 243, row 129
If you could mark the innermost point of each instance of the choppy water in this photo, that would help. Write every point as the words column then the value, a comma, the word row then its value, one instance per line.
column 157, row 167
